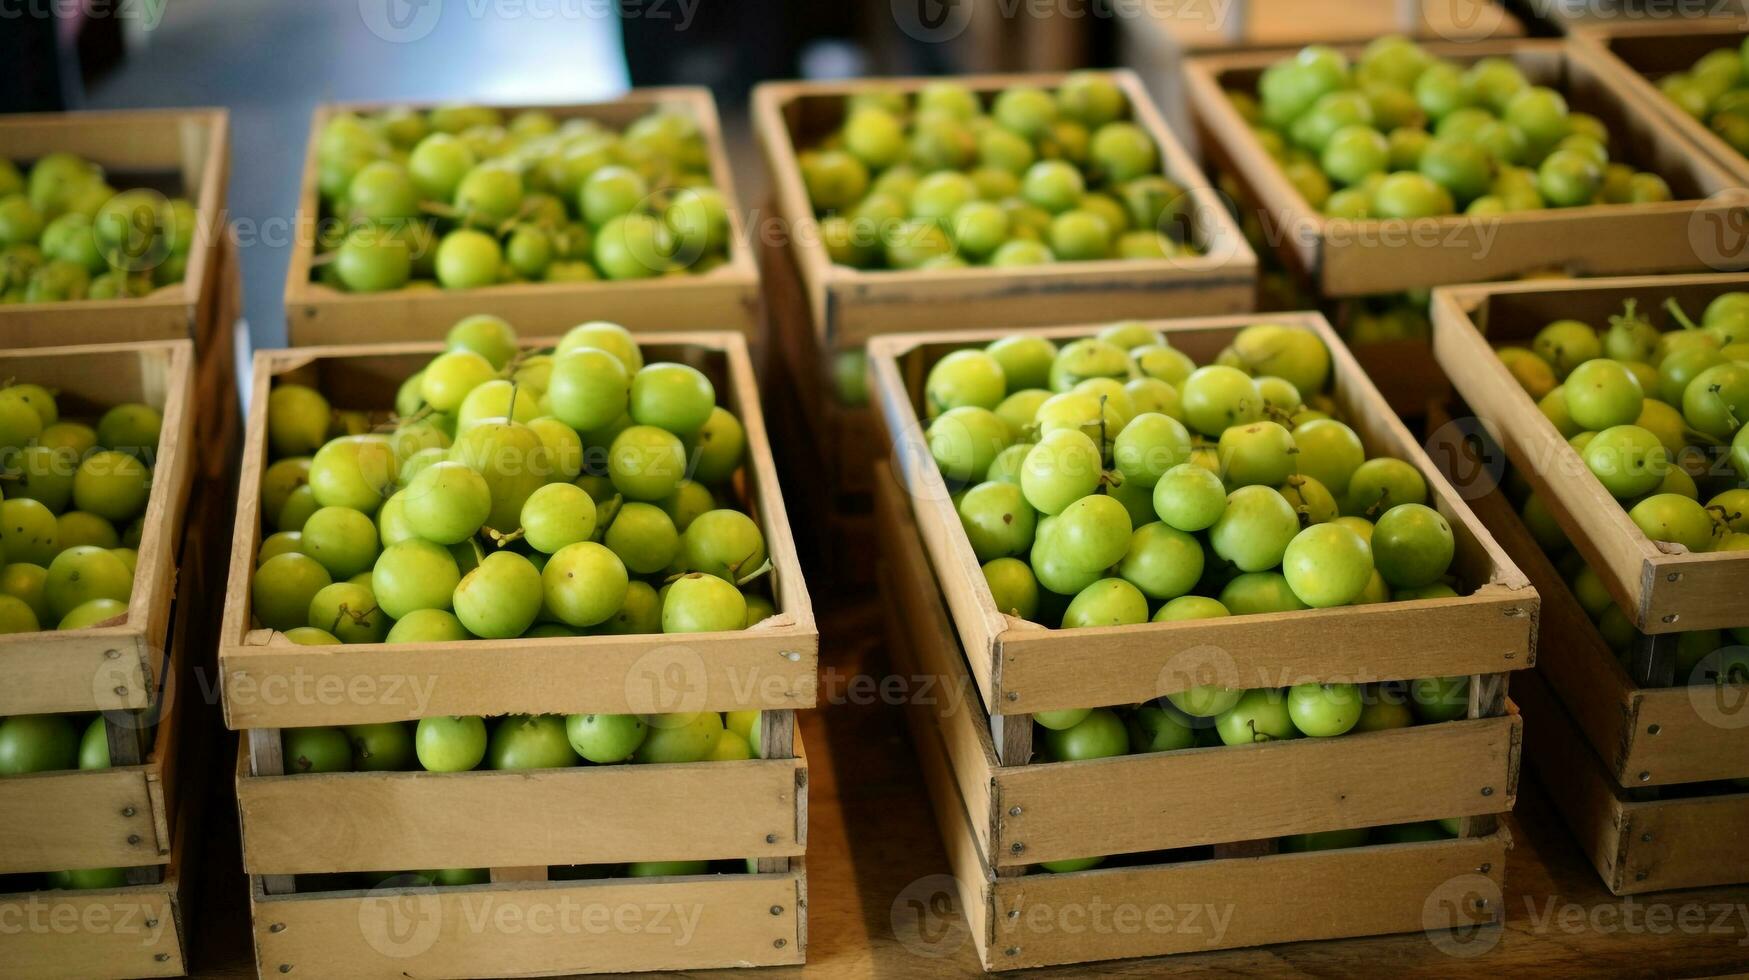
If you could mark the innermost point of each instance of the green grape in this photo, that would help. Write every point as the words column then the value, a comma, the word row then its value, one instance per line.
column 584, row 584
column 1260, row 715
column 1092, row 532
column 354, row 471
column 91, row 613
column 1602, row 393
column 1189, row 497
column 1680, row 367
column 688, row 501
column 1149, row 446
column 495, row 399
column 1063, row 467
column 24, row 582
column 641, row 613
column 28, row 532
column 1676, row 519
column 1162, row 561
column 1566, row 344
column 646, row 463
column 1020, row 408
column 342, row 539
column 589, row 388
column 561, row 453
column 1627, row 460
column 297, row 421
column 1412, row 545
column 997, row 520
column 1254, row 530
column 642, row 536
column 1324, row 710
column 450, row 743
column 283, row 588
column 1025, row 360
column 962, row 378
column 717, row 448
column 702, row 603
column 509, row 456
column 17, row 616
column 1261, row 453
column 1436, row 699
column 724, row 543
column 1191, row 607
column 1013, row 587
column 1327, row 565
column 501, row 598
column 605, row 739
column 446, row 381
column 412, row 575
column 447, row 502
column 316, row 750
column 678, row 738
column 604, row 336
column 77, row 528
column 1217, row 397
column 348, row 612
column 556, row 515
column 1054, row 571
column 1715, row 402
column 1329, row 451
column 675, row 397
column 1380, row 484
column 428, row 626
column 530, row 742
column 965, row 440
column 1107, row 602
column 1260, row 592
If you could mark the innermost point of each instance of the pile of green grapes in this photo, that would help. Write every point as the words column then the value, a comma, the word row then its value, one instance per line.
column 459, row 197
column 1209, row 715
column 66, row 234
column 1113, row 481
column 941, row 181
column 1401, row 133
column 54, row 743
column 71, row 523
column 1650, row 412
column 1715, row 91
column 513, row 493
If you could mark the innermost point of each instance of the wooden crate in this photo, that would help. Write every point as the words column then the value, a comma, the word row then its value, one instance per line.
column 1641, row 58
column 1023, row 668
column 114, row 667
column 388, row 933
column 1620, row 758
column 1343, row 257
column 771, row 666
column 725, row 298
column 1660, row 592
column 179, row 152
column 1584, row 18
column 1293, row 23
column 996, row 819
column 847, row 306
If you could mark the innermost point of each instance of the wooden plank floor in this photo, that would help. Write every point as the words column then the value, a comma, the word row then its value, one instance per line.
column 872, row 840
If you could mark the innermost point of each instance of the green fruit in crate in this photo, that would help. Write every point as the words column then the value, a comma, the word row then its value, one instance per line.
column 1154, row 729
column 530, row 742
column 316, row 750
column 37, row 743
column 678, row 738
column 1101, row 734
column 1436, row 699
column 384, row 747
column 605, row 739
column 450, row 743
column 94, row 745
column 1324, row 710
column 1260, row 715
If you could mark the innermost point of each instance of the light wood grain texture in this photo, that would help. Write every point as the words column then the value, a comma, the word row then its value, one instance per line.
column 1636, row 846
column 1291, row 23
column 1343, row 257
column 179, row 152
column 114, row 666
column 847, row 306
column 1639, row 58
column 1022, row 668
column 1644, row 736
column 528, row 929
column 270, row 682
column 1582, row 21
column 725, row 298
column 1024, row 814
column 1660, row 592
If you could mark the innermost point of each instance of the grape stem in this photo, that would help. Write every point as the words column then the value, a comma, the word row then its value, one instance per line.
column 1680, row 317
column 763, row 569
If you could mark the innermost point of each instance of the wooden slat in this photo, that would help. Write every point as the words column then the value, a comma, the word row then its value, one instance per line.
column 68, row 820
column 1205, row 905
column 725, row 298
column 70, row 935
column 848, row 306
column 1350, row 258
column 1025, row 670
column 1661, row 593
column 307, row 824
column 270, row 682
column 617, row 925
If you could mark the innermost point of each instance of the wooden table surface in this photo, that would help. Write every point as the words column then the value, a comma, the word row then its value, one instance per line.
column 872, row 835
